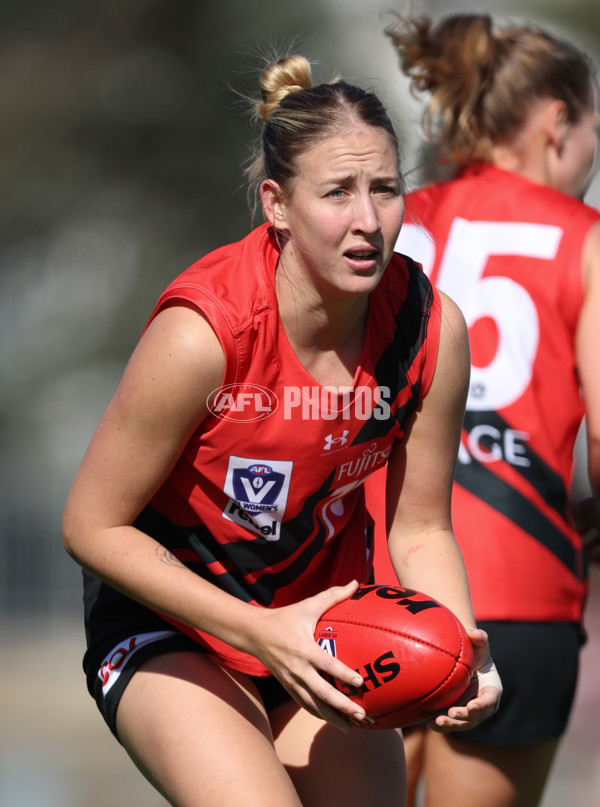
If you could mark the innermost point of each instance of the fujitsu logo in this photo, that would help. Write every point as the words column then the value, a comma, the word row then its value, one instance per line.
column 371, row 458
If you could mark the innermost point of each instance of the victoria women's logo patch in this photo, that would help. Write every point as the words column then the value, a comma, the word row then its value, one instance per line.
column 258, row 493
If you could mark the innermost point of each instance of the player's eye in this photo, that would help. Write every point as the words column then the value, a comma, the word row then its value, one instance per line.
column 386, row 190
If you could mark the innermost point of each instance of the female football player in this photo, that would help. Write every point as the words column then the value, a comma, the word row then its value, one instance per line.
column 219, row 510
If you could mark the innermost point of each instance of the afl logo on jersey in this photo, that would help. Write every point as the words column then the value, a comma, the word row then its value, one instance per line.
column 242, row 402
column 260, row 470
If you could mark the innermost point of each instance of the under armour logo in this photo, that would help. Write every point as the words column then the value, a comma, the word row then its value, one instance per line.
column 478, row 390
column 331, row 441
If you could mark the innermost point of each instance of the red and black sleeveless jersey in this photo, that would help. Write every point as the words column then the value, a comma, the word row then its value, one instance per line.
column 267, row 500
column 509, row 252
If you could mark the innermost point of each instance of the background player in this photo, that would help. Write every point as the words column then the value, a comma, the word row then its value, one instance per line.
column 511, row 112
column 188, row 515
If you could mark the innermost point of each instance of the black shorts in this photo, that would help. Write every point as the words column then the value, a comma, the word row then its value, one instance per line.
column 122, row 634
column 538, row 663
column 121, row 661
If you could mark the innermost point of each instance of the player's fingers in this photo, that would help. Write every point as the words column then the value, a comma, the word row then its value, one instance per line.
column 324, row 700
column 332, row 690
column 444, row 724
column 305, row 698
column 331, row 667
column 341, row 719
column 478, row 636
column 325, row 600
column 486, row 702
column 481, row 646
column 326, row 663
column 462, row 718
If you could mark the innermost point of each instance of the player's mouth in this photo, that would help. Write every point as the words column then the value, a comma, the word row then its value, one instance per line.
column 362, row 258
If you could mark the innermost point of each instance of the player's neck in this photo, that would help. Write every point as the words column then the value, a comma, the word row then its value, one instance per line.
column 326, row 336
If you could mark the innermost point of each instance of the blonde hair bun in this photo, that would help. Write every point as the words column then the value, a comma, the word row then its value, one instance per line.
column 280, row 79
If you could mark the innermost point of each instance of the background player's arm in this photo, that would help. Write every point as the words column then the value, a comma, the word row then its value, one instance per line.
column 587, row 512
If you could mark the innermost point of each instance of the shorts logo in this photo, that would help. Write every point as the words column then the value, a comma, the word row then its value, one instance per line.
column 258, row 492
column 119, row 656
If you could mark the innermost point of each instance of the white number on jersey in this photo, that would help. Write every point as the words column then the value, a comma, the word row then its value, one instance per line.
column 469, row 246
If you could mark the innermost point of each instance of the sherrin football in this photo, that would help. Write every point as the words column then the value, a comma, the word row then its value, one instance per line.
column 413, row 654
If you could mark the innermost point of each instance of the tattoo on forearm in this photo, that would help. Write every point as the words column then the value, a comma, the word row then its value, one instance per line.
column 168, row 557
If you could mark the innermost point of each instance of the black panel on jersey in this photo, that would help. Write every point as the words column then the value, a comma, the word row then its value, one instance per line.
column 276, row 562
column 538, row 473
column 410, row 332
column 483, row 483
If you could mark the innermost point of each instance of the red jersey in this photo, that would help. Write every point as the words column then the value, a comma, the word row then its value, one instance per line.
column 267, row 500
column 509, row 252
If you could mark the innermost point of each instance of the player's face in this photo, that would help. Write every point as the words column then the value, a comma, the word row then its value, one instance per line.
column 579, row 153
column 345, row 211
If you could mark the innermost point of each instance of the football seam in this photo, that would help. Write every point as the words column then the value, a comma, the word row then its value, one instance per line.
column 399, row 633
column 457, row 661
column 429, row 694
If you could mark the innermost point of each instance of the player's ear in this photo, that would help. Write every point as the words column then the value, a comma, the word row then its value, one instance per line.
column 556, row 122
column 272, row 198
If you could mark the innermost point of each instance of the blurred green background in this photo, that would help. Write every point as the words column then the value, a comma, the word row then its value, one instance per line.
column 122, row 144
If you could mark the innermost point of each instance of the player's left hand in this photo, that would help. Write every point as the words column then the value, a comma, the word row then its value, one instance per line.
column 482, row 698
